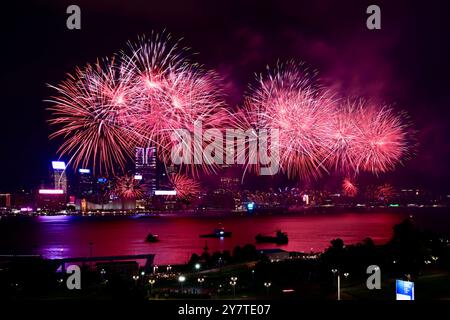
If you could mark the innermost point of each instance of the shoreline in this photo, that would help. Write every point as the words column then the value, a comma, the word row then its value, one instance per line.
column 237, row 214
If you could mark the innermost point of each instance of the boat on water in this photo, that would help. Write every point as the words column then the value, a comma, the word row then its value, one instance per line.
column 279, row 238
column 152, row 238
column 217, row 233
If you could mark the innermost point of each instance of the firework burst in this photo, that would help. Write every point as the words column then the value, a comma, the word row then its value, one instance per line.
column 382, row 139
column 106, row 110
column 288, row 100
column 127, row 187
column 185, row 187
column 366, row 137
column 173, row 95
column 90, row 112
column 349, row 189
column 385, row 192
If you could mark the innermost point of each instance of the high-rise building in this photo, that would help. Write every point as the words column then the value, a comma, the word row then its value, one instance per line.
column 59, row 175
column 146, row 168
column 85, row 186
column 5, row 200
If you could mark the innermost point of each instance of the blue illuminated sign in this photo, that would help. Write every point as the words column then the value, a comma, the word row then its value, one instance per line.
column 404, row 290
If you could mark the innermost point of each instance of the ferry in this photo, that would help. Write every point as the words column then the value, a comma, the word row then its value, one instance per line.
column 152, row 238
column 279, row 238
column 217, row 233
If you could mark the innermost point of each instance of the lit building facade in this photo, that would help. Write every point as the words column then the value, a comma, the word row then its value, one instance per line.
column 59, row 175
column 146, row 168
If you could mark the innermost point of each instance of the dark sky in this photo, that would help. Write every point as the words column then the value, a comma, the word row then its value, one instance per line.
column 406, row 63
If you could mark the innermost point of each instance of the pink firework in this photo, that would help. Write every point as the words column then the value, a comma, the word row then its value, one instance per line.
column 349, row 189
column 127, row 187
column 366, row 137
column 90, row 112
column 345, row 138
column 173, row 95
column 288, row 101
column 382, row 139
column 385, row 192
column 185, row 187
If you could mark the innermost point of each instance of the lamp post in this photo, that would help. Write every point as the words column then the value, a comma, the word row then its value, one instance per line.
column 200, row 281
column 267, row 285
column 135, row 278
column 346, row 275
column 151, row 282
column 336, row 272
column 181, row 279
column 233, row 284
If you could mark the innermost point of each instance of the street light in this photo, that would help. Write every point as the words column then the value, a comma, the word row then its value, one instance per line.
column 151, row 282
column 200, row 281
column 197, row 266
column 135, row 278
column 233, row 284
column 181, row 279
column 335, row 271
column 346, row 275
column 267, row 285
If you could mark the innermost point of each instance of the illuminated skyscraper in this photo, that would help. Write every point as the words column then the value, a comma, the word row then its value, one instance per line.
column 5, row 200
column 146, row 165
column 85, row 184
column 59, row 175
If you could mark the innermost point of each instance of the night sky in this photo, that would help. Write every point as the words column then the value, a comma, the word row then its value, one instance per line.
column 406, row 63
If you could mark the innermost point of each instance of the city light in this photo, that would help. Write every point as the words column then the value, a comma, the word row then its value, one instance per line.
column 137, row 177
column 59, row 165
column 84, row 170
column 51, row 191
column 165, row 193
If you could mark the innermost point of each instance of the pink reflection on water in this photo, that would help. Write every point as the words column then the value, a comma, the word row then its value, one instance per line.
column 57, row 237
